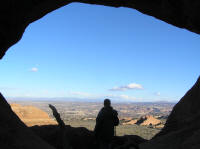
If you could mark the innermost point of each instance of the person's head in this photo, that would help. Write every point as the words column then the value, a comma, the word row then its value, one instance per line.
column 107, row 103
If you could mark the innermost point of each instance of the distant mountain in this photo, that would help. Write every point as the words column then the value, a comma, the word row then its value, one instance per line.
column 72, row 99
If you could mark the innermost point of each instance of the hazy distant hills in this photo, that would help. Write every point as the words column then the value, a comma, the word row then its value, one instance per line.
column 73, row 99
column 80, row 110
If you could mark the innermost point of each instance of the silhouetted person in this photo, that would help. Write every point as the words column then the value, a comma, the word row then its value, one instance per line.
column 106, row 121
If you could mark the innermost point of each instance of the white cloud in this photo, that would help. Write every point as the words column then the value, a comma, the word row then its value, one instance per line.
column 157, row 93
column 34, row 69
column 130, row 86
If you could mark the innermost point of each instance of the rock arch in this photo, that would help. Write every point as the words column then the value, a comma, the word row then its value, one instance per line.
column 183, row 126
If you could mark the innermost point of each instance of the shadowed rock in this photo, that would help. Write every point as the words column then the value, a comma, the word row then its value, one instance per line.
column 182, row 129
column 79, row 138
column 13, row 132
column 185, row 111
column 82, row 138
column 64, row 139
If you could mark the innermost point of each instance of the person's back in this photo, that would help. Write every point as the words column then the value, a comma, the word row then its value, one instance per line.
column 106, row 120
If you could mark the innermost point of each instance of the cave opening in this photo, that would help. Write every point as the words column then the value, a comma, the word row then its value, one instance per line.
column 128, row 42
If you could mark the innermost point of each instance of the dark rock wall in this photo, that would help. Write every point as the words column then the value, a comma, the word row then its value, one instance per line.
column 185, row 111
column 16, row 15
column 82, row 138
column 182, row 129
column 78, row 138
column 13, row 132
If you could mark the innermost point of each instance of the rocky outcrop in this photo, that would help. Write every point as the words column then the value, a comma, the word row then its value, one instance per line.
column 182, row 129
column 186, row 138
column 79, row 138
column 148, row 120
column 13, row 132
column 82, row 138
column 143, row 121
column 31, row 115
column 186, row 110
column 17, row 15
column 130, row 122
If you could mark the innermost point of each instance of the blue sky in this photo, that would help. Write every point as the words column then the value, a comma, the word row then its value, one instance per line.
column 93, row 52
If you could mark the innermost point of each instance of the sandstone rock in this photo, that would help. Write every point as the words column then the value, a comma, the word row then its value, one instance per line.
column 148, row 120
column 159, row 126
column 126, row 118
column 131, row 122
column 144, row 121
column 31, row 115
column 13, row 132
column 182, row 129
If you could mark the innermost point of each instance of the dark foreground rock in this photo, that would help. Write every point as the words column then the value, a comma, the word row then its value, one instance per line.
column 184, row 112
column 79, row 138
column 182, row 129
column 14, row 134
column 82, row 138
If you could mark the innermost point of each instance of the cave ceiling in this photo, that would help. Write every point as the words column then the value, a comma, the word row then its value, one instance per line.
column 17, row 15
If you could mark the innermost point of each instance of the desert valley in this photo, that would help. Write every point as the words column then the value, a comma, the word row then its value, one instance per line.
column 142, row 119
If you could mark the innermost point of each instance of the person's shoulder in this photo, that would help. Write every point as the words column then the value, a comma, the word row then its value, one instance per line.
column 115, row 112
column 102, row 111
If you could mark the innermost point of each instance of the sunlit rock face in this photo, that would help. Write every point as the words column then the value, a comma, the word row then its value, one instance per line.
column 146, row 120
column 17, row 15
column 31, row 115
column 13, row 132
column 182, row 129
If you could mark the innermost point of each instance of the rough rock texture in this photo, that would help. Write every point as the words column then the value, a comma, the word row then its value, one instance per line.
column 31, row 115
column 82, row 138
column 13, row 132
column 17, row 15
column 79, row 138
column 144, row 121
column 182, row 129
column 148, row 120
column 130, row 122
column 186, row 138
column 185, row 111
column 15, row 135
